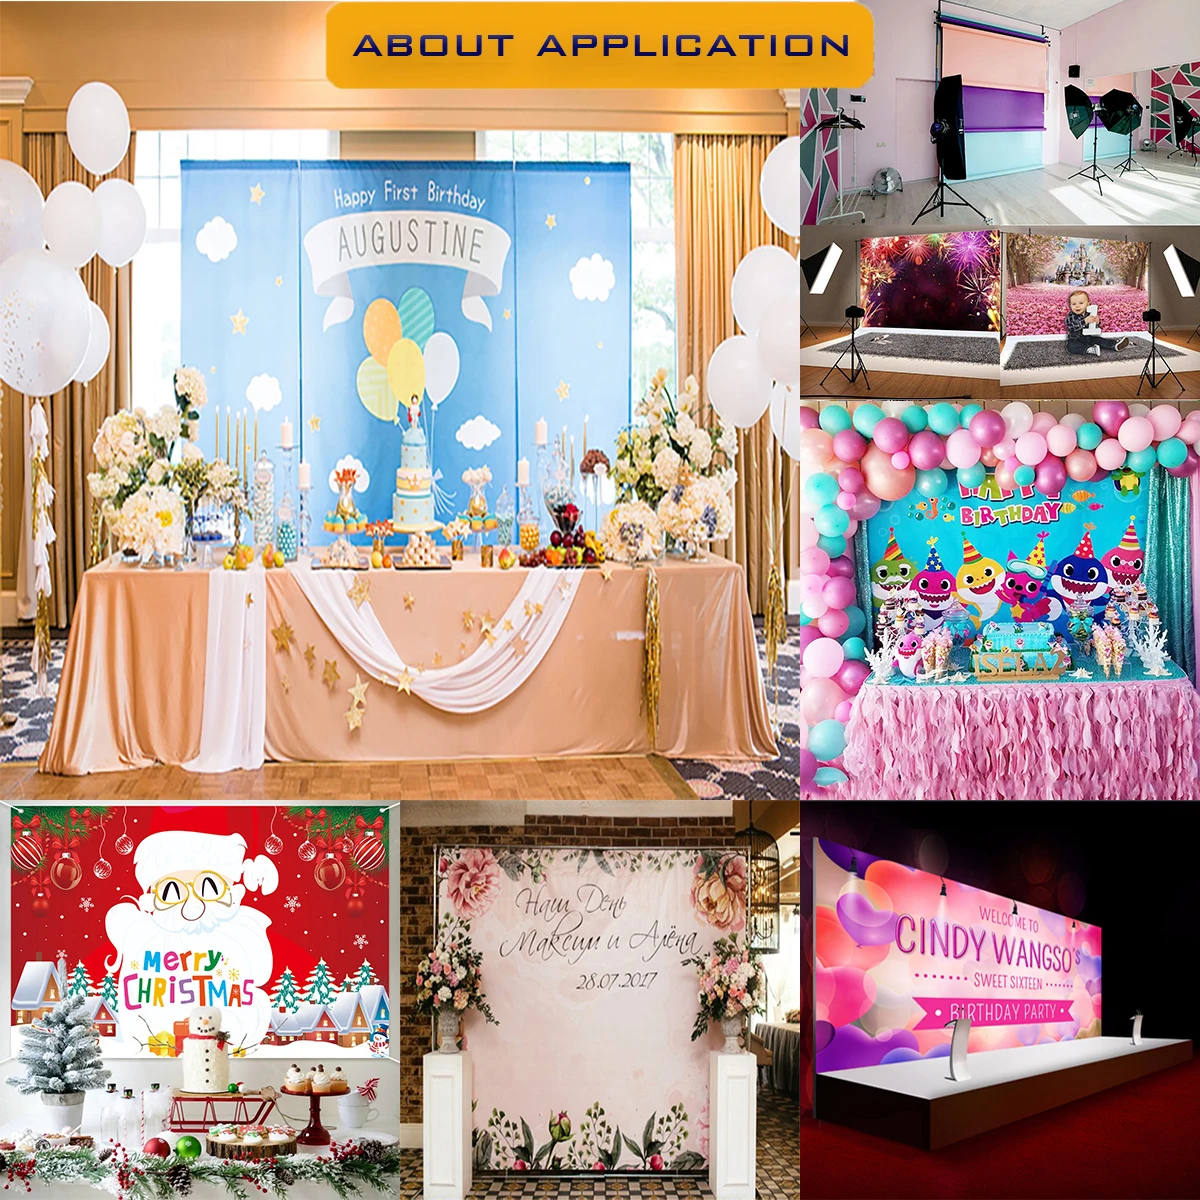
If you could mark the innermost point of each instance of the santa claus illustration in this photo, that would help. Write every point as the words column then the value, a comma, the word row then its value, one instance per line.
column 189, row 941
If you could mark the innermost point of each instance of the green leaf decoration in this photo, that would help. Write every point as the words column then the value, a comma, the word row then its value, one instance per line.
column 634, row 1147
column 375, row 392
column 528, row 1135
column 615, row 1153
column 542, row 1152
column 482, row 1157
column 416, row 315
column 689, row 1160
column 647, row 1133
column 602, row 862
column 583, row 857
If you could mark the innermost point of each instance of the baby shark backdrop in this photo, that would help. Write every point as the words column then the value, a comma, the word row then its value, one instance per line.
column 895, row 960
column 329, row 294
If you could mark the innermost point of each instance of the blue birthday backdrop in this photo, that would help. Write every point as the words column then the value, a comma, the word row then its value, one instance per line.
column 330, row 293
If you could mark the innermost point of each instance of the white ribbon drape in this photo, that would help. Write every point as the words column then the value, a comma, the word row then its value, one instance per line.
column 43, row 539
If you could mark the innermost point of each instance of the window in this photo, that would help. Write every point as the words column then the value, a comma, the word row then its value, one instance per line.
column 652, row 197
column 156, row 267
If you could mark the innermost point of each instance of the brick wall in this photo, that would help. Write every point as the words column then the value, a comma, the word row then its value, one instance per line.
column 417, row 848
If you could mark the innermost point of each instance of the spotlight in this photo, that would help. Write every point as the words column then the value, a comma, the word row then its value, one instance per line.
column 817, row 270
column 948, row 136
column 853, row 863
column 1080, row 113
column 1150, row 371
column 1186, row 125
column 854, row 314
column 1073, row 926
column 1014, row 912
column 943, row 887
column 1185, row 270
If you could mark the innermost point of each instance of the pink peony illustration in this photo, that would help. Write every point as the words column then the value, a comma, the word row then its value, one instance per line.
column 473, row 883
column 719, row 896
column 656, row 1162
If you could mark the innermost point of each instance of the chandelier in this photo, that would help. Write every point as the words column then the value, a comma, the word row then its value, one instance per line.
column 762, row 900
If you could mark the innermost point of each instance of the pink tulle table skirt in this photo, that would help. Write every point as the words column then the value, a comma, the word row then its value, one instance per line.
column 1038, row 741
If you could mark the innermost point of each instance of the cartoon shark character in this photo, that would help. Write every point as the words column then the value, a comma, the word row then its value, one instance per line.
column 934, row 587
column 908, row 656
column 1080, row 576
column 891, row 574
column 1024, row 587
column 976, row 584
column 1124, row 561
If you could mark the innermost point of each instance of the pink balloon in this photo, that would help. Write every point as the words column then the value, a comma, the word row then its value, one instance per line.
column 816, row 446
column 1187, row 467
column 808, row 762
column 849, row 445
column 824, row 658
column 891, row 435
column 814, row 608
column 809, row 417
column 1166, row 420
column 851, row 529
column 808, row 635
column 819, row 700
column 850, row 479
column 850, row 676
column 1006, row 447
column 1031, row 448
column 1081, row 465
column 987, row 427
column 866, row 507
column 1109, row 414
column 1061, row 440
column 1189, row 431
column 808, row 532
column 843, row 994
column 811, row 586
column 1110, row 454
column 814, row 561
column 926, row 450
column 901, row 459
column 1136, row 433
column 841, row 567
column 843, row 711
column 988, row 457
column 886, row 481
column 839, row 592
column 833, row 622
column 1004, row 474
column 1043, row 422
column 1050, row 476
column 846, row 501
column 962, row 449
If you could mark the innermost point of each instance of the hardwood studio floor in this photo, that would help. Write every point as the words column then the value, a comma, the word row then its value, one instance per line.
column 1051, row 197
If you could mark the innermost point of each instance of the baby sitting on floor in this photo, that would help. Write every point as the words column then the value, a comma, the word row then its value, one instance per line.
column 1078, row 318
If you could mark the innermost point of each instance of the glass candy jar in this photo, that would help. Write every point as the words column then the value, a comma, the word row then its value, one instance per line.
column 559, row 496
column 528, row 527
column 262, row 504
column 504, row 518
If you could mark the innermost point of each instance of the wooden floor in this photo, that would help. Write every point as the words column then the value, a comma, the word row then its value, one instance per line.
column 1051, row 197
column 617, row 778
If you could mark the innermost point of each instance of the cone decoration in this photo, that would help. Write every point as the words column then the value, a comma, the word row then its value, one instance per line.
column 1038, row 557
column 970, row 554
column 1129, row 539
column 892, row 550
column 934, row 560
column 1084, row 549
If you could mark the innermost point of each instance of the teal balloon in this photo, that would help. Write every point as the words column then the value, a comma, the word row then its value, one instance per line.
column 1142, row 460
column 805, row 619
column 831, row 520
column 931, row 483
column 915, row 418
column 834, row 418
column 828, row 776
column 943, row 418
column 856, row 648
column 1024, row 475
column 1089, row 435
column 968, row 411
column 833, row 546
column 972, row 476
column 858, row 620
column 827, row 739
column 821, row 489
column 1171, row 452
column 416, row 315
column 866, row 417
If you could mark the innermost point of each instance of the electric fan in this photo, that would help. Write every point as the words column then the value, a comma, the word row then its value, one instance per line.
column 886, row 181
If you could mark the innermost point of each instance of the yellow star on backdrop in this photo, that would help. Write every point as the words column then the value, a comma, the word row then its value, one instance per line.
column 587, row 180
column 437, row 658
column 359, row 590
column 359, row 690
column 468, row 620
column 240, row 321
column 310, row 655
column 279, row 281
column 508, row 314
column 462, row 647
column 256, row 194
column 354, row 718
column 330, row 676
column 420, row 668
column 489, row 637
column 283, row 634
column 599, row 345
column 563, row 390
column 520, row 646
column 606, row 571
column 551, row 220
column 314, row 423
column 564, row 586
column 249, row 599
column 409, row 601
column 404, row 683
column 488, row 619
column 213, row 370
column 507, row 625
column 286, row 684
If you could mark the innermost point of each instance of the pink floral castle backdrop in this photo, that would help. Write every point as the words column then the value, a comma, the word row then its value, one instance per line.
column 591, row 1066
column 895, row 960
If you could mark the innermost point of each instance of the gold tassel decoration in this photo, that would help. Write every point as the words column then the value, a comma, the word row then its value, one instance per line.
column 97, row 532
column 774, row 628
column 652, row 659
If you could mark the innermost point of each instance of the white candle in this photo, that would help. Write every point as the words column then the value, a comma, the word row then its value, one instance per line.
column 523, row 473
column 540, row 433
column 305, row 476
column 285, row 434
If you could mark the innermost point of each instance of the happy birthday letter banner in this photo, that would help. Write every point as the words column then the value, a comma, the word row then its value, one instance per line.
column 275, row 916
column 583, row 967
column 896, row 960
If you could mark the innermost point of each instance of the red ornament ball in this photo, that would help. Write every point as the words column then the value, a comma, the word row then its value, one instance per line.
column 27, row 850
column 307, row 851
column 102, row 868
column 329, row 873
column 354, row 903
column 273, row 844
column 157, row 1146
column 368, row 851
column 65, row 871
column 40, row 905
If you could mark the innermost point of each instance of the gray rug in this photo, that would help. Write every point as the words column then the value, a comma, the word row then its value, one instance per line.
column 931, row 347
column 1032, row 356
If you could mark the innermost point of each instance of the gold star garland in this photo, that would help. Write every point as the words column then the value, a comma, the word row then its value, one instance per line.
column 359, row 590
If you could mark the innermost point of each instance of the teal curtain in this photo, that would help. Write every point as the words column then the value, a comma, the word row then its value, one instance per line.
column 862, row 581
column 1169, row 564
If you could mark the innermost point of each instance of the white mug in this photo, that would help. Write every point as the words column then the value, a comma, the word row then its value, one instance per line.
column 355, row 1111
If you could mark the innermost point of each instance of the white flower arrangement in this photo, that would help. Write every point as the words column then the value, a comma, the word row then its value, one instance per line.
column 191, row 392
column 697, row 510
column 632, row 533
column 120, row 441
column 477, row 476
column 150, row 522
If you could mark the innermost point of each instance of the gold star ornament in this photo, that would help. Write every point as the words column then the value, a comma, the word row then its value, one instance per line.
column 404, row 682
column 437, row 658
column 286, row 684
column 240, row 321
column 606, row 571
column 354, row 716
column 257, row 194
column 279, row 281
column 409, row 601
column 283, row 634
column 359, row 590
column 520, row 646
column 359, row 691
column 508, row 314
column 330, row 676
column 249, row 599
column 468, row 620
column 314, row 423
column 551, row 220
column 563, row 390
column 310, row 655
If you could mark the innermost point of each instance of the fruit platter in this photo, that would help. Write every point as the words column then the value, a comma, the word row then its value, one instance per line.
column 578, row 547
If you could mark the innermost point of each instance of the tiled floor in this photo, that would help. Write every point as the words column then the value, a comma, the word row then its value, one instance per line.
column 778, row 1168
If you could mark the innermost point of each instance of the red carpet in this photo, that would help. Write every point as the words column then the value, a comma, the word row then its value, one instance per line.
column 1140, row 1140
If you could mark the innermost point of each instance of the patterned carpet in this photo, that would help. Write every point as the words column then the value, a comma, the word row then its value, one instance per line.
column 23, row 741
column 778, row 1168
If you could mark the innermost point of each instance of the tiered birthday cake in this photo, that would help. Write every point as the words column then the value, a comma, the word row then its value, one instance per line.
column 412, row 503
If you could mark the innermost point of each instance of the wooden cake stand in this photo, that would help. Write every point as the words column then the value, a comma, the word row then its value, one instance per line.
column 220, row 1108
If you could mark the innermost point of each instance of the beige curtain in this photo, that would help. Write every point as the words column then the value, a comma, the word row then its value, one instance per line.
column 75, row 414
column 718, row 220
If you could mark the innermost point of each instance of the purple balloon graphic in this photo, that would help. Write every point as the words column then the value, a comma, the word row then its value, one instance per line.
column 823, row 1035
column 900, row 1054
column 1027, row 1034
column 1092, row 986
column 851, row 1046
column 866, row 924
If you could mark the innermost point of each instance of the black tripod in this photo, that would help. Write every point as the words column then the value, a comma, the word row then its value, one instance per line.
column 1132, row 164
column 1094, row 173
column 1150, row 373
column 938, row 200
column 857, row 366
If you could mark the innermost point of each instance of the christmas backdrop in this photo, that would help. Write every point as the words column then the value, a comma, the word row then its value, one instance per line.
column 277, row 916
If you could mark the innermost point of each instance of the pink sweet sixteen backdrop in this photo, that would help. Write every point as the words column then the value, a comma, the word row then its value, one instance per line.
column 895, row 960
column 591, row 1066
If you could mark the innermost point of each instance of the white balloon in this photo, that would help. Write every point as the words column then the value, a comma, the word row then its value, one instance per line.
column 45, row 323
column 20, row 210
column 1072, row 420
column 785, row 419
column 98, row 127
column 766, row 274
column 778, row 340
column 71, row 223
column 779, row 186
column 99, row 340
column 122, row 221
column 738, row 386
column 1018, row 418
column 441, row 366
column 1139, row 410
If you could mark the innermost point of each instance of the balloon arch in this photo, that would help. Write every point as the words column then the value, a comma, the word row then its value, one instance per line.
column 851, row 462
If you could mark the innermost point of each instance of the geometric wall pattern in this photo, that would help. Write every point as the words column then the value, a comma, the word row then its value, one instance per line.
column 1182, row 81
column 819, row 152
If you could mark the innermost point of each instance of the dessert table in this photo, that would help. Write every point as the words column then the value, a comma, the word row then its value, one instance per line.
column 218, row 669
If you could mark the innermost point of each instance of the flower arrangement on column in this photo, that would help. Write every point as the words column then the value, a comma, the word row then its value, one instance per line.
column 449, row 981
column 733, row 985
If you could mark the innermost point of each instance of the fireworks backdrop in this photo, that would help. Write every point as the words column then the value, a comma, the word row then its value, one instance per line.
column 932, row 281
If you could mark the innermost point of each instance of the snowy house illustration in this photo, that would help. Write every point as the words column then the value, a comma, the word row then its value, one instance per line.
column 38, row 990
column 309, row 1023
column 274, row 1035
column 374, row 1000
column 351, row 1021
column 102, row 1016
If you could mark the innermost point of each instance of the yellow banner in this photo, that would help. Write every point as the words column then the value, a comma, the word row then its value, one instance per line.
column 597, row 45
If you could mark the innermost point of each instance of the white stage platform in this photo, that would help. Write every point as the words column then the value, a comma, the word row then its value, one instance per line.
column 917, row 1103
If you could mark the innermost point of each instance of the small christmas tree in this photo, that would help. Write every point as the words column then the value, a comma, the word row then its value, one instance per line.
column 347, row 984
column 366, row 976
column 319, row 988
column 284, row 997
column 108, row 990
column 61, row 1052
column 81, row 983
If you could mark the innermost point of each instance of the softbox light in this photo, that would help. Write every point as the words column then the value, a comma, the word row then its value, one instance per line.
column 947, row 131
column 1184, row 120
column 818, row 268
column 1079, row 109
column 1119, row 111
column 1185, row 270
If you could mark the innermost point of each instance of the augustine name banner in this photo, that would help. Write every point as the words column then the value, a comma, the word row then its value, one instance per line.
column 583, row 968
column 896, row 961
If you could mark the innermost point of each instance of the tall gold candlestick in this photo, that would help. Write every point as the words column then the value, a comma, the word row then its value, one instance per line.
column 216, row 433
column 228, row 440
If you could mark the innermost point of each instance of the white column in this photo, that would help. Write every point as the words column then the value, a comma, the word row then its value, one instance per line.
column 447, row 1133
column 732, row 1086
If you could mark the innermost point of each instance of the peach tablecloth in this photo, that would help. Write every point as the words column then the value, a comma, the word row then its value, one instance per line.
column 132, row 684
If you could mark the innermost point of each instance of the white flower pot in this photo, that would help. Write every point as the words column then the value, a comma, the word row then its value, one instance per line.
column 448, row 1022
column 731, row 1027
column 64, row 1110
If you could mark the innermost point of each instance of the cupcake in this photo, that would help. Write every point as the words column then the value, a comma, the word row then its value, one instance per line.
column 339, row 1085
column 296, row 1081
column 320, row 1081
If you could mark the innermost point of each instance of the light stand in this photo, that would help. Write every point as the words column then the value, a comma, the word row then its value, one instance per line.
column 1095, row 172
column 1150, row 372
column 1132, row 164
column 854, row 314
column 938, row 200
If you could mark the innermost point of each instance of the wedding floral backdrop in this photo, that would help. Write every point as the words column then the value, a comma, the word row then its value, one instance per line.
column 591, row 1065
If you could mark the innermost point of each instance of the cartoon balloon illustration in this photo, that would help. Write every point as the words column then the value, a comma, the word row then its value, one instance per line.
column 866, row 924
column 375, row 392
column 381, row 329
column 406, row 370
column 842, row 994
column 416, row 315
column 441, row 367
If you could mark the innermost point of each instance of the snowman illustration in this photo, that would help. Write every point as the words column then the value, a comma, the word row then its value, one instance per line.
column 378, row 1044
